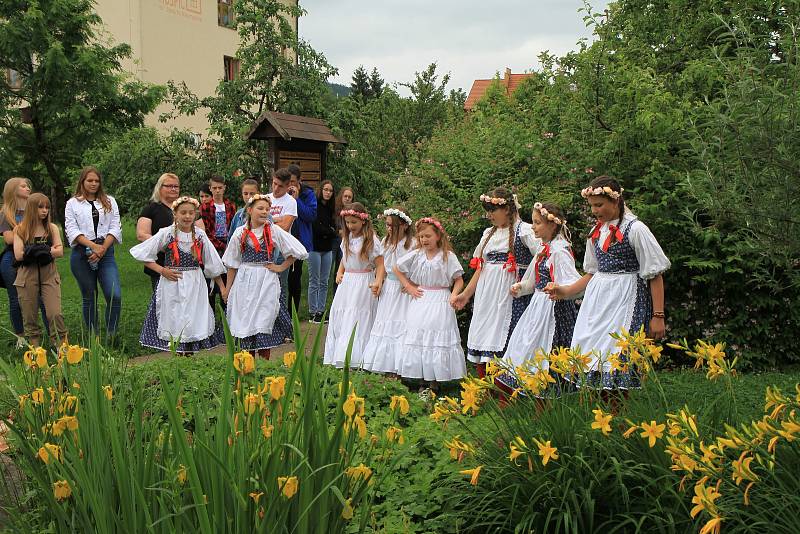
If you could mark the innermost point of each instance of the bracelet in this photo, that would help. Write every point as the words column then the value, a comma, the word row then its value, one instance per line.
column 658, row 314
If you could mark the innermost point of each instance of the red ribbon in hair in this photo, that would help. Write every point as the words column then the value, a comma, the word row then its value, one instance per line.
column 475, row 263
column 613, row 233
column 511, row 263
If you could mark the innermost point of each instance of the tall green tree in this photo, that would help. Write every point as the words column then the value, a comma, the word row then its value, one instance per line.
column 359, row 86
column 278, row 72
column 376, row 83
column 72, row 90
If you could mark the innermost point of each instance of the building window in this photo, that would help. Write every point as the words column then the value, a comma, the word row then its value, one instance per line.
column 226, row 15
column 231, row 68
column 14, row 79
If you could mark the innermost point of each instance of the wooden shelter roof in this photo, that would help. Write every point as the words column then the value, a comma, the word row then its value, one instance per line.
column 271, row 124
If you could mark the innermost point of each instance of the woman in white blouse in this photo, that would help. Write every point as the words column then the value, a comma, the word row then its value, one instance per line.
column 92, row 225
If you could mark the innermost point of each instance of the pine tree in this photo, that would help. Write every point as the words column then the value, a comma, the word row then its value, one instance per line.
column 376, row 83
column 360, row 86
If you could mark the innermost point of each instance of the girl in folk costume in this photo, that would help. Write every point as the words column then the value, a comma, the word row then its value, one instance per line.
column 545, row 324
column 360, row 278
column 432, row 343
column 179, row 312
column 256, row 314
column 500, row 260
column 623, row 283
column 384, row 349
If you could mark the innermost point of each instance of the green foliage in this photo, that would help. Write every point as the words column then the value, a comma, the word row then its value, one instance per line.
column 132, row 162
column 670, row 112
column 210, row 466
column 73, row 89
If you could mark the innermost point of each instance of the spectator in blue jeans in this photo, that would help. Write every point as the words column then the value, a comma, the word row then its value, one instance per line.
column 321, row 258
column 15, row 195
column 92, row 225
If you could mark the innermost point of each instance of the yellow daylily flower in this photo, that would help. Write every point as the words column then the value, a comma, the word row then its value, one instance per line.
column 547, row 451
column 712, row 526
column 49, row 451
column 353, row 404
column 37, row 396
column 109, row 393
column 183, row 475
column 395, row 434
column 244, row 362
column 704, row 498
column 289, row 358
column 36, row 358
column 741, row 469
column 288, row 486
column 401, row 402
column 652, row 432
column 469, row 401
column 251, row 402
column 515, row 452
column 602, row 421
column 458, row 448
column 347, row 510
column 276, row 385
column 359, row 472
column 67, row 422
column 266, row 430
column 61, row 490
column 74, row 354
column 256, row 496
column 473, row 474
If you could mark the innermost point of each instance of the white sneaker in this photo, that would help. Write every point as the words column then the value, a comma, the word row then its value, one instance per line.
column 21, row 342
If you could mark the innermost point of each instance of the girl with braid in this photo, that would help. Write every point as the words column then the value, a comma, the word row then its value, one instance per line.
column 257, row 316
column 179, row 313
column 500, row 260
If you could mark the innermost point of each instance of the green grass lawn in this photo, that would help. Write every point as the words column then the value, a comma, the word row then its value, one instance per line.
column 136, row 295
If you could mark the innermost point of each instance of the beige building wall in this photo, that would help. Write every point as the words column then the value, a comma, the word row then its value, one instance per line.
column 178, row 40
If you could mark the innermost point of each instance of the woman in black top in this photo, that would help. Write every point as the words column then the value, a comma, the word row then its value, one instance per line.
column 157, row 215
column 320, row 259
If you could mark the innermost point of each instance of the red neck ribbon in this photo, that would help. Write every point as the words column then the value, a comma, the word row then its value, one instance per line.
column 613, row 233
column 511, row 263
column 197, row 246
column 267, row 235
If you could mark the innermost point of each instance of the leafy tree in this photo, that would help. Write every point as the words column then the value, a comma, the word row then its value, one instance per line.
column 278, row 72
column 73, row 90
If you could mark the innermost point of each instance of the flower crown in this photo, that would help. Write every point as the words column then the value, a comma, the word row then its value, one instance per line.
column 597, row 191
column 497, row 201
column 183, row 200
column 546, row 214
column 258, row 196
column 434, row 222
column 397, row 213
column 354, row 213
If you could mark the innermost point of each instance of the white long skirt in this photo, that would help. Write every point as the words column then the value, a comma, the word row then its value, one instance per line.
column 182, row 308
column 384, row 350
column 535, row 330
column 353, row 307
column 607, row 308
column 254, row 301
column 491, row 315
column 432, row 348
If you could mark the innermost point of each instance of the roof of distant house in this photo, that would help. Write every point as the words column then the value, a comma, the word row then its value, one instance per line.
column 509, row 81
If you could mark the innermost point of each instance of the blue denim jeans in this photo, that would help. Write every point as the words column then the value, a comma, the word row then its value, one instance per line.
column 108, row 276
column 9, row 274
column 319, row 272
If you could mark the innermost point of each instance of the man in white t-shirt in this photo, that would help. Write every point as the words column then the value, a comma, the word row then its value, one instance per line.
column 284, row 205
column 284, row 212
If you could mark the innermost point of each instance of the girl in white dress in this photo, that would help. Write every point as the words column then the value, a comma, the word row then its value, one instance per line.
column 545, row 324
column 432, row 344
column 360, row 278
column 623, row 283
column 179, row 312
column 497, row 268
column 256, row 315
column 385, row 346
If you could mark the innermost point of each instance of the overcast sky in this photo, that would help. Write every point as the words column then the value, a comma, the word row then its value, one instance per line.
column 471, row 39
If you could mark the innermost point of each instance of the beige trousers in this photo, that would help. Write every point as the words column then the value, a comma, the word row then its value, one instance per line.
column 33, row 283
